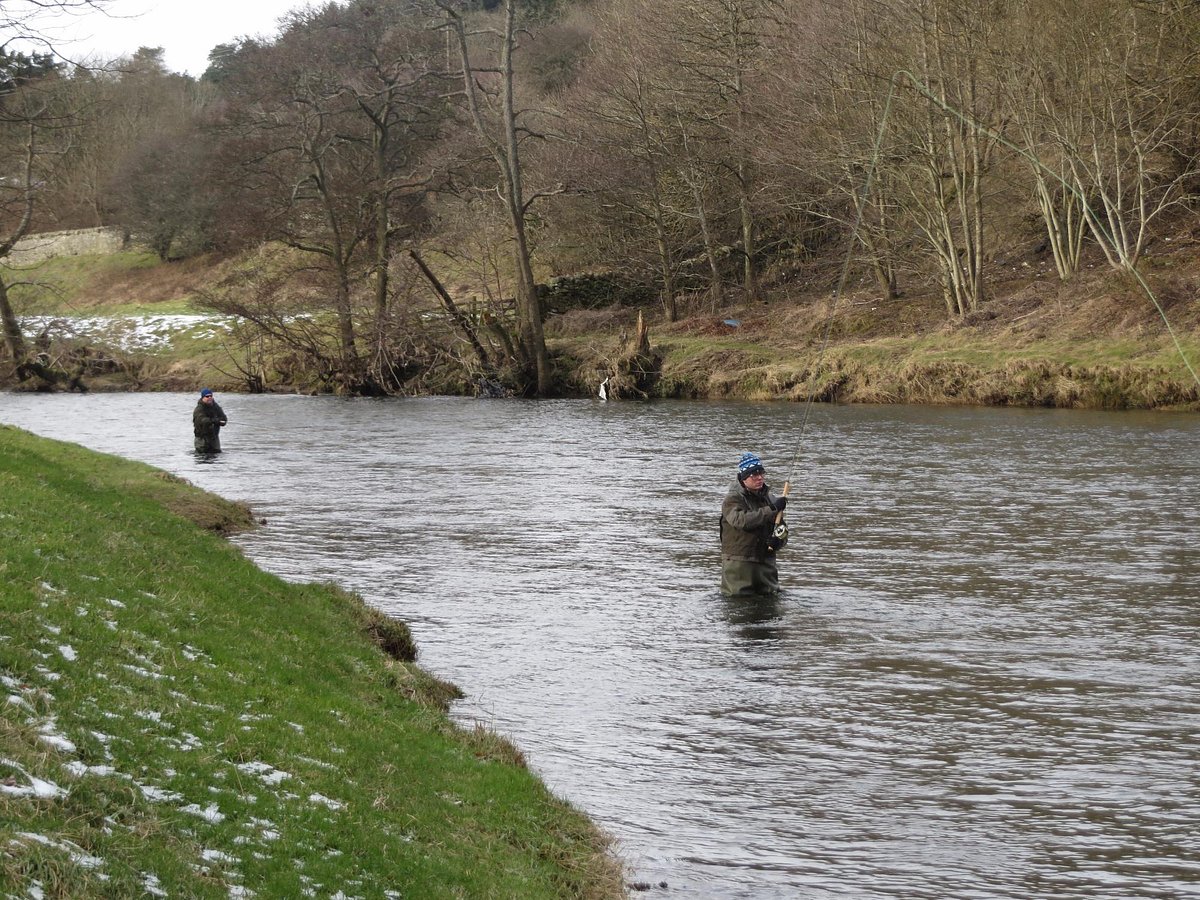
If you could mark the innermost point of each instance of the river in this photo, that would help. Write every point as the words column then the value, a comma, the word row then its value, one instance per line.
column 982, row 679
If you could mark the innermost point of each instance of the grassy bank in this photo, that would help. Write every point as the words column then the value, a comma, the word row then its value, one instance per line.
column 180, row 723
column 1108, row 350
column 1095, row 342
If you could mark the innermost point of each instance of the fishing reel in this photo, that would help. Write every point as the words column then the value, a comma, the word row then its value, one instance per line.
column 779, row 536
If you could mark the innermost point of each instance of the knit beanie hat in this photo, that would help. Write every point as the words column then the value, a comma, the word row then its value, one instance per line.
column 205, row 392
column 749, row 464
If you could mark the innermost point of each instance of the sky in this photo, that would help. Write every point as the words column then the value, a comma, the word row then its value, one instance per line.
column 186, row 29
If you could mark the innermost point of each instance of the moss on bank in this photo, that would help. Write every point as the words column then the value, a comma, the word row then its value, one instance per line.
column 182, row 723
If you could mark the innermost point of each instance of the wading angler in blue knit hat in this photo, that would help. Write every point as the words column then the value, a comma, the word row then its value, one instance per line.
column 752, row 530
column 207, row 419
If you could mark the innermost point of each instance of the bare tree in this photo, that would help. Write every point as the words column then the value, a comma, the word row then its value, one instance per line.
column 24, row 116
column 334, row 126
column 619, row 123
column 1125, row 129
column 724, row 47
column 28, row 124
column 500, row 125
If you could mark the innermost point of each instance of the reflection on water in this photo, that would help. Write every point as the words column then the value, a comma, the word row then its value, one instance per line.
column 980, row 680
column 755, row 618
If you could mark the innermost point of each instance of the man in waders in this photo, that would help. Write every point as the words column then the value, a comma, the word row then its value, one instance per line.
column 748, row 535
column 207, row 419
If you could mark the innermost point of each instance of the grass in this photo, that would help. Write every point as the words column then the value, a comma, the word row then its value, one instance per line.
column 181, row 723
column 63, row 285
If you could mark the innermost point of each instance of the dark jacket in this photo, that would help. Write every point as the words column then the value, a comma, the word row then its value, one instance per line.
column 747, row 522
column 206, row 423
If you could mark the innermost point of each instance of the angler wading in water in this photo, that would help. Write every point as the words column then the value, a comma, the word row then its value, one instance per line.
column 752, row 530
column 207, row 419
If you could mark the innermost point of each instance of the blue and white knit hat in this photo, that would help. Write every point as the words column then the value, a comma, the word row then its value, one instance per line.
column 750, row 464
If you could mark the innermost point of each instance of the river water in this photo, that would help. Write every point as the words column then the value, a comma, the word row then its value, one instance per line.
column 982, row 679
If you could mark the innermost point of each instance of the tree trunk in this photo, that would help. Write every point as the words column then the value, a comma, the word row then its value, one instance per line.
column 456, row 316
column 534, row 336
column 13, row 339
column 506, row 153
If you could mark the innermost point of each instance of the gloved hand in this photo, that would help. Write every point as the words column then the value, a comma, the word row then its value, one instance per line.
column 780, row 504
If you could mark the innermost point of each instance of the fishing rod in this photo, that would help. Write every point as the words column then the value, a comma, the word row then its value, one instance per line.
column 1094, row 222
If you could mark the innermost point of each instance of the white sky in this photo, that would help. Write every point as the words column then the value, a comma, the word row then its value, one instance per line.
column 186, row 29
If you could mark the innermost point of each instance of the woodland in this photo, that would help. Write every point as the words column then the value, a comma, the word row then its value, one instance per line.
column 411, row 186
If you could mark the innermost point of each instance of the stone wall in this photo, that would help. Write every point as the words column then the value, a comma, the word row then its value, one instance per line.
column 80, row 242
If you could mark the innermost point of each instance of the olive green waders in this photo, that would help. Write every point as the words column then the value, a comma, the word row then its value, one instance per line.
column 742, row 578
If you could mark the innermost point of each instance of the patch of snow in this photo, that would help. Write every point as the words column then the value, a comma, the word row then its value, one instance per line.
column 211, row 813
column 146, row 673
column 320, row 763
column 68, row 652
column 37, row 787
column 325, row 801
column 158, row 795
column 267, row 773
column 48, row 734
column 78, row 856
column 188, row 742
column 129, row 332
column 79, row 769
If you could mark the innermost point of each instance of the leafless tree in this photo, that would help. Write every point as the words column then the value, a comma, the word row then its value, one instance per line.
column 26, row 118
column 333, row 127
column 490, row 93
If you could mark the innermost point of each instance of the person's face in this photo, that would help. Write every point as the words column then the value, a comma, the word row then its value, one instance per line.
column 207, row 398
column 755, row 481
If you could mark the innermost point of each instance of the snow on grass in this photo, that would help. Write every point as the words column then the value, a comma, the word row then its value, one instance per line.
column 48, row 733
column 76, row 853
column 268, row 774
column 16, row 781
column 130, row 333
column 325, row 801
column 35, row 787
column 211, row 813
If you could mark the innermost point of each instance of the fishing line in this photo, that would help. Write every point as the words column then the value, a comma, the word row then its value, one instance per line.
column 841, row 283
column 1093, row 220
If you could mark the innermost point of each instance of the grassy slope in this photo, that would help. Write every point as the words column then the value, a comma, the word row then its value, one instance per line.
column 230, row 734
